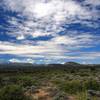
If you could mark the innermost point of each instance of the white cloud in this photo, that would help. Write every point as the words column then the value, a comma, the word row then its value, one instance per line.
column 14, row 60
column 25, row 50
column 64, row 40
column 52, row 47
column 28, row 60
column 43, row 9
column 93, row 2
column 43, row 18
column 21, row 37
column 39, row 33
column 46, row 18
column 49, row 51
column 74, row 40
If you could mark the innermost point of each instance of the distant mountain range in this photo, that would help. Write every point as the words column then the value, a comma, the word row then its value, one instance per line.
column 27, row 67
column 67, row 64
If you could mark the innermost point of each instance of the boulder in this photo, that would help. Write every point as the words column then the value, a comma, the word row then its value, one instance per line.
column 94, row 93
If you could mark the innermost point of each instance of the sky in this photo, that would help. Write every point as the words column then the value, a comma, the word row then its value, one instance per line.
column 50, row 31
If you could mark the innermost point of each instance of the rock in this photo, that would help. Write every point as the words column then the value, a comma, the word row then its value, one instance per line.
column 62, row 96
column 94, row 93
column 33, row 89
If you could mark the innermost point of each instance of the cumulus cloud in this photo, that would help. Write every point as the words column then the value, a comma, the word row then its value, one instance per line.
column 13, row 60
column 73, row 40
column 43, row 17
column 25, row 50
column 21, row 37
column 52, row 47
column 40, row 8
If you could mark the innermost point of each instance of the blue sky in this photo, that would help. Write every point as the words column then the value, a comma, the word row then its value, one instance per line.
column 50, row 31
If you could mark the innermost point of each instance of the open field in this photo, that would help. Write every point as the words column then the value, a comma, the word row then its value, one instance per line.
column 50, row 83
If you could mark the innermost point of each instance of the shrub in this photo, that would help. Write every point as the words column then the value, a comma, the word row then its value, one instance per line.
column 26, row 81
column 12, row 92
column 72, row 86
column 92, row 84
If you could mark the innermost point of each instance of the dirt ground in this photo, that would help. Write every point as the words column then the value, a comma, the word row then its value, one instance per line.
column 45, row 93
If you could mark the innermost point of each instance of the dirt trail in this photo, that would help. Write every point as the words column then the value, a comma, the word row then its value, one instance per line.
column 39, row 94
column 42, row 95
column 45, row 93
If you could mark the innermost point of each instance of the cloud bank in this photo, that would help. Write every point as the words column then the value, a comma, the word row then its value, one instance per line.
column 41, row 28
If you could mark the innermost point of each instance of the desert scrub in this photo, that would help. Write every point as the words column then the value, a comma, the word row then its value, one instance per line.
column 74, row 86
column 81, row 96
column 84, row 96
column 92, row 84
column 13, row 92
column 71, row 87
column 26, row 81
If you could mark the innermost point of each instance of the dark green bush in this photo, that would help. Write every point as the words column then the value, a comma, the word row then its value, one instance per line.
column 92, row 84
column 75, row 86
column 12, row 92
column 71, row 86
column 26, row 81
